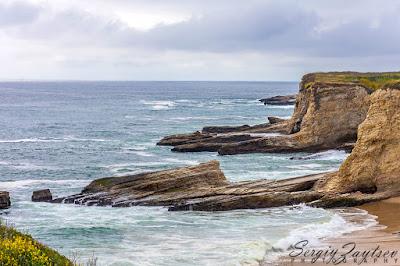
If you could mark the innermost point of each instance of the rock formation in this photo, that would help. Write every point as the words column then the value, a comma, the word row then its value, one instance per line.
column 328, row 110
column 370, row 173
column 275, row 120
column 279, row 100
column 201, row 187
column 43, row 195
column 374, row 166
column 5, row 201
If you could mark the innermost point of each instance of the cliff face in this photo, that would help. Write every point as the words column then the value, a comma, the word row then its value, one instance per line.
column 328, row 115
column 329, row 108
column 374, row 163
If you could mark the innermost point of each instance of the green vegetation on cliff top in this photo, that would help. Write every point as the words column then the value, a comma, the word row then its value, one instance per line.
column 371, row 80
column 21, row 249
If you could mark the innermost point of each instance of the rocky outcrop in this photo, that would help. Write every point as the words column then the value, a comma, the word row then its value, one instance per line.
column 43, row 195
column 214, row 138
column 373, row 166
column 328, row 110
column 279, row 100
column 275, row 120
column 5, row 201
column 205, row 188
column 201, row 187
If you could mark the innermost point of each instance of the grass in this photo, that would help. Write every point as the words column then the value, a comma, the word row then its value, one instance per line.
column 21, row 249
column 372, row 80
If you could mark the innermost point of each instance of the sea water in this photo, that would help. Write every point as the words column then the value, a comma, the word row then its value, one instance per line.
column 62, row 135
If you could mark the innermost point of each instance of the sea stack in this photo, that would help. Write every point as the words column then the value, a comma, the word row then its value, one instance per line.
column 43, row 195
column 5, row 201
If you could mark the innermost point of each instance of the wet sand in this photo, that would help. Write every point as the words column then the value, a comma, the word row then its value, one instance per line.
column 379, row 244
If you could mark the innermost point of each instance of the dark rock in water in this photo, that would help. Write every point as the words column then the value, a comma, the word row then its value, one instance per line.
column 347, row 147
column 5, row 201
column 279, row 100
column 43, row 195
column 212, row 139
column 224, row 129
column 275, row 120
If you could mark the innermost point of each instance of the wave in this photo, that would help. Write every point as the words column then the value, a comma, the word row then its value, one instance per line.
column 188, row 118
column 343, row 221
column 26, row 166
column 159, row 105
column 143, row 153
column 65, row 139
column 280, row 106
column 29, row 183
column 180, row 161
column 334, row 155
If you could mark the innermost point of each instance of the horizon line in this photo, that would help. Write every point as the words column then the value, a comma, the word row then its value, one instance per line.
column 122, row 80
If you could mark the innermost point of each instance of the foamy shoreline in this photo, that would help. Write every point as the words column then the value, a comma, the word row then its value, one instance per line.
column 382, row 238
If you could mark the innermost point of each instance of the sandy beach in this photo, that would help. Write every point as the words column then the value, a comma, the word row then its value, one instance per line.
column 377, row 245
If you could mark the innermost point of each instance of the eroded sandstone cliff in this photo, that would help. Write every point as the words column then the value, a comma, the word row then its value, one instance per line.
column 374, row 164
column 329, row 108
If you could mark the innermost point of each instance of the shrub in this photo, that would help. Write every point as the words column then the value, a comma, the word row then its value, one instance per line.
column 21, row 249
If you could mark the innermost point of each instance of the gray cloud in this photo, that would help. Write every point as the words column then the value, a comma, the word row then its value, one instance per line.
column 283, row 27
column 17, row 13
column 290, row 34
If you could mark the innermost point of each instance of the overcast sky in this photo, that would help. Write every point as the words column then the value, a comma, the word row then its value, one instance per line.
column 195, row 40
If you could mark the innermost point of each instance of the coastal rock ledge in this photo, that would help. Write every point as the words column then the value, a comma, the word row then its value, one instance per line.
column 328, row 110
column 370, row 173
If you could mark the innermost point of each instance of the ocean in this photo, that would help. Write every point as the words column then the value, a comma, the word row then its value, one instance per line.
column 62, row 135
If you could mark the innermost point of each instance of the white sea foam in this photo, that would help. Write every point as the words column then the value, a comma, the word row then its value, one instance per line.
column 305, row 166
column 280, row 106
column 29, row 183
column 26, row 166
column 159, row 105
column 328, row 155
column 338, row 225
column 64, row 139
column 181, row 161
column 188, row 118
column 143, row 153
column 29, row 140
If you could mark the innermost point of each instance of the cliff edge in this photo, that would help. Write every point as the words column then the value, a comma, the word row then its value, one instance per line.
column 329, row 108
column 373, row 166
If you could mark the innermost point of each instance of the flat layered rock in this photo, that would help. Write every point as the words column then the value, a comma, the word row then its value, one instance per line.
column 205, row 188
column 212, row 139
column 279, row 100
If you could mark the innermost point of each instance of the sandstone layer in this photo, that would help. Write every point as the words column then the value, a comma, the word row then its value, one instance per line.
column 328, row 110
column 374, row 166
column 279, row 100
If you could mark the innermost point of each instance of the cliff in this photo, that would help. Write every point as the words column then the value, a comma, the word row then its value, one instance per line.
column 329, row 108
column 373, row 166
